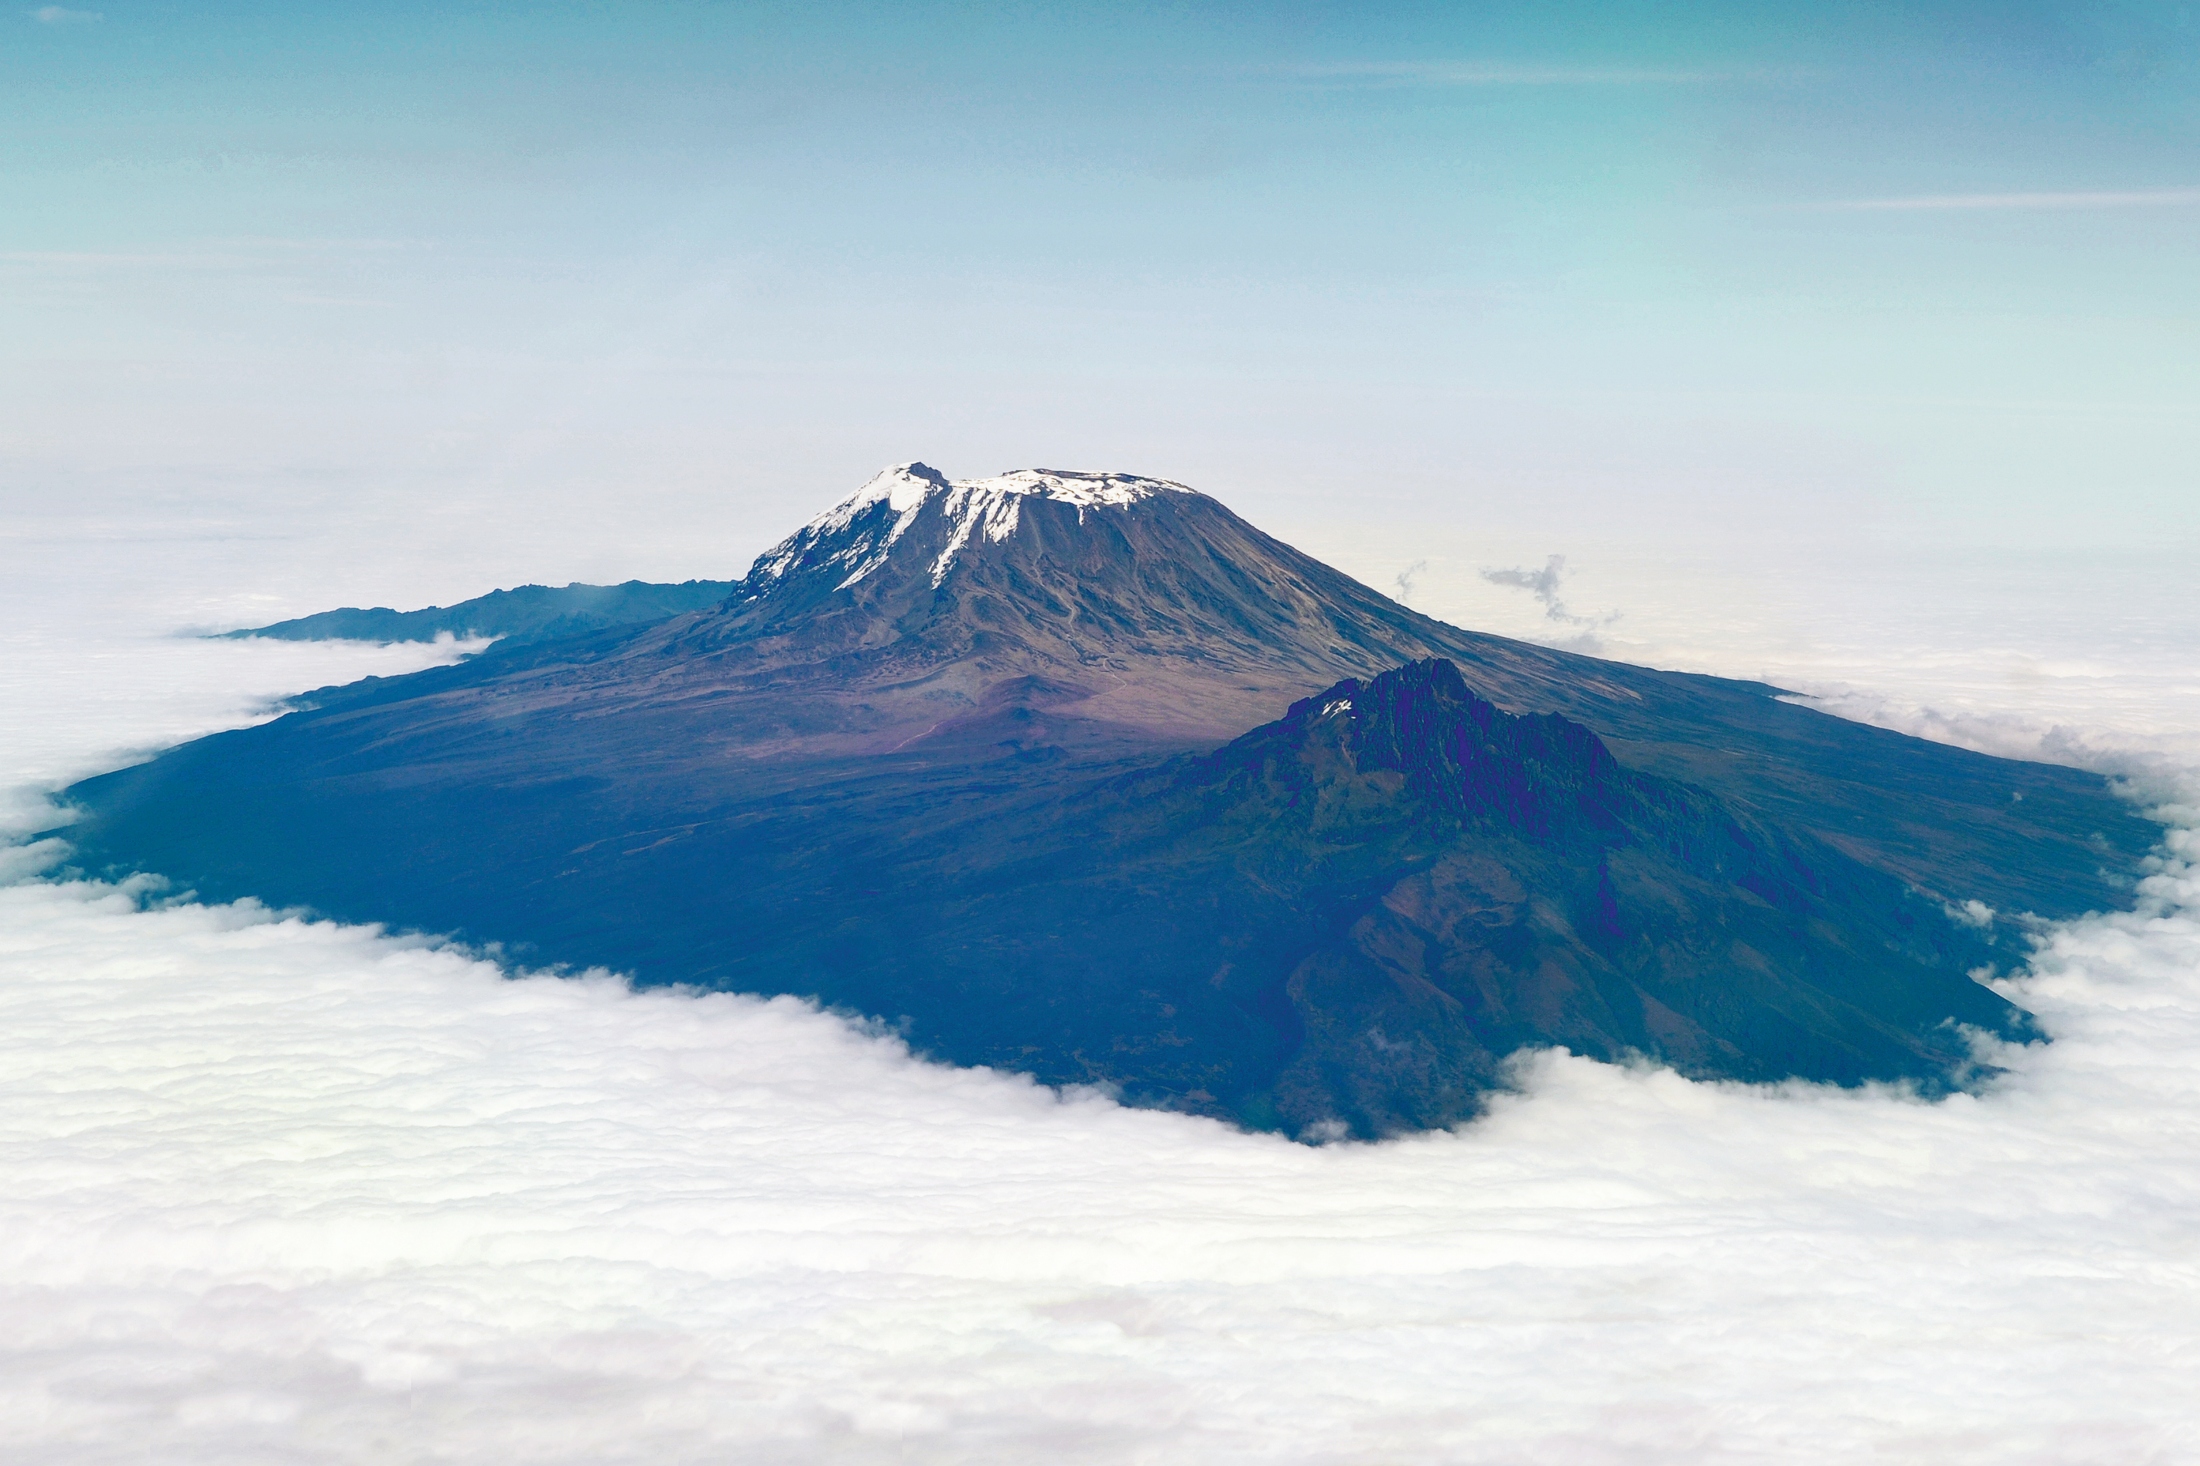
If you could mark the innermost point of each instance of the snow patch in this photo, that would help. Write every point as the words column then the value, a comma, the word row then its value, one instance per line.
column 904, row 488
column 988, row 505
column 1086, row 490
column 995, row 503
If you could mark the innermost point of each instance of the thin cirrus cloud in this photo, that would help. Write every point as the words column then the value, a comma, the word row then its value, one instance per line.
column 62, row 15
column 2074, row 199
column 207, row 254
column 1500, row 74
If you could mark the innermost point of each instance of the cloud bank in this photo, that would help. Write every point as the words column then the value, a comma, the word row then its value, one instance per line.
column 289, row 1191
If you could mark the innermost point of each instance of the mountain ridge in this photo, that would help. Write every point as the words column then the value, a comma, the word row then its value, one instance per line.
column 1086, row 609
column 942, row 683
column 518, row 616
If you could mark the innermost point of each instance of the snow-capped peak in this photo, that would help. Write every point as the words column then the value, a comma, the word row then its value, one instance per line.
column 994, row 503
column 1085, row 490
column 904, row 487
column 990, row 505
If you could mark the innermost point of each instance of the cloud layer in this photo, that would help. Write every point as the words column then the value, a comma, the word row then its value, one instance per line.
column 290, row 1191
column 293, row 1191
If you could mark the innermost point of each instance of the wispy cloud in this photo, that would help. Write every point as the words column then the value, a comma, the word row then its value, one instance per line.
column 1500, row 74
column 118, row 259
column 1544, row 586
column 218, row 254
column 2086, row 199
column 62, row 15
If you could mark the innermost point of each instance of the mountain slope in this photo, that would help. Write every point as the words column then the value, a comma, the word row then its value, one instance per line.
column 521, row 615
column 1351, row 915
column 1127, row 615
column 934, row 685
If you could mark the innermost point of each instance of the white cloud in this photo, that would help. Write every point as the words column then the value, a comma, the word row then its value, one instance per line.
column 274, row 1185
column 61, row 15
column 241, row 253
column 2098, row 199
column 280, row 1191
column 1544, row 585
column 1502, row 74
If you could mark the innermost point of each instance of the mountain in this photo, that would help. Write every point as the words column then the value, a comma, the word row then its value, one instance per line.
column 1351, row 915
column 972, row 757
column 523, row 614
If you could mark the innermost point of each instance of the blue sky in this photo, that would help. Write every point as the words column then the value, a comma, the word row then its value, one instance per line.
column 1914, row 272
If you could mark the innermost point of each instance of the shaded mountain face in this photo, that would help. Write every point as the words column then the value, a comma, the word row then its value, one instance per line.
column 1352, row 915
column 1522, row 888
column 948, row 756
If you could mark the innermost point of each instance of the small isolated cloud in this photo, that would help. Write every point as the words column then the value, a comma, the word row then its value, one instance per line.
column 2096, row 199
column 62, row 15
column 1544, row 586
column 1405, row 579
column 1973, row 913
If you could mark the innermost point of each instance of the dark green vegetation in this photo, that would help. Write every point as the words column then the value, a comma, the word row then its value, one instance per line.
column 970, row 758
column 519, row 616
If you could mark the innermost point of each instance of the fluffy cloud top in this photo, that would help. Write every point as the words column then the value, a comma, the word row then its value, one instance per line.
column 292, row 1191
column 273, row 1190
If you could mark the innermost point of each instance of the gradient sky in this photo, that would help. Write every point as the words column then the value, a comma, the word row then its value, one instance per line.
column 1900, row 273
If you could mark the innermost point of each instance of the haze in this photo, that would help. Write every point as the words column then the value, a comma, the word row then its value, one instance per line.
column 1770, row 277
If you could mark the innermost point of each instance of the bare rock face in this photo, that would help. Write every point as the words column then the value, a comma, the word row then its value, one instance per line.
column 971, row 757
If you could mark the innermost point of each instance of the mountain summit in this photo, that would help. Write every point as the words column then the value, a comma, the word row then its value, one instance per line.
column 1083, row 775
column 859, row 535
column 1109, row 598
